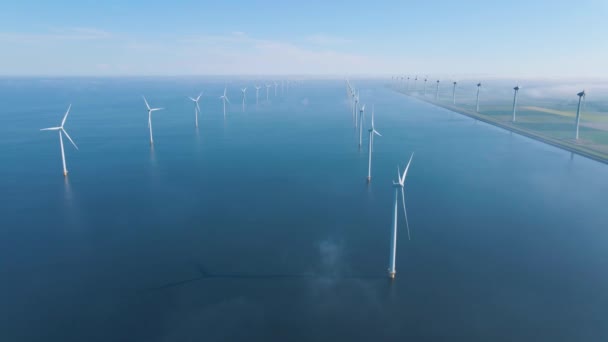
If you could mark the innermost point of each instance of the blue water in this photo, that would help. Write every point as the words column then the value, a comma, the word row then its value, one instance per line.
column 262, row 227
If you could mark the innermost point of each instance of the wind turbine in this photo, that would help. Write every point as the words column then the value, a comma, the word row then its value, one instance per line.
column 356, row 107
column 197, row 109
column 257, row 94
column 454, row 93
column 150, row 110
column 408, row 83
column 424, row 92
column 244, row 90
column 361, row 115
column 478, row 88
column 61, row 132
column 398, row 185
column 224, row 99
column 275, row 88
column 371, row 131
column 415, row 82
column 437, row 91
column 516, row 89
column 282, row 87
column 581, row 98
column 267, row 88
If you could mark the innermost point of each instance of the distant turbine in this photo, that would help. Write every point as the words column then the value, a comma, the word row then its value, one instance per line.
column 354, row 104
column 267, row 88
column 478, row 87
column 399, row 185
column 415, row 82
column 224, row 99
column 275, row 88
column 356, row 107
column 516, row 89
column 371, row 131
column 197, row 109
column 282, row 87
column 150, row 110
column 62, row 130
column 454, row 93
column 408, row 83
column 581, row 98
column 244, row 90
column 437, row 92
column 361, row 116
column 424, row 92
column 257, row 94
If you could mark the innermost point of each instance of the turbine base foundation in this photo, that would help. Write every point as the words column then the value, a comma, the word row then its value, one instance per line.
column 391, row 275
column 369, row 179
column 65, row 173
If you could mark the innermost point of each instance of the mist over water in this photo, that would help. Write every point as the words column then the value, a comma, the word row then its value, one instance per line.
column 262, row 227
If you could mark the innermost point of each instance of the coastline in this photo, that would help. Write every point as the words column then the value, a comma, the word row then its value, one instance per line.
column 560, row 143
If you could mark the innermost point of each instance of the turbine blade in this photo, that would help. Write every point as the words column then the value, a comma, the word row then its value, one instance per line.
column 407, row 225
column 191, row 99
column 66, row 115
column 227, row 99
column 68, row 136
column 377, row 133
column 51, row 129
column 156, row 109
column 402, row 180
column 147, row 105
column 199, row 96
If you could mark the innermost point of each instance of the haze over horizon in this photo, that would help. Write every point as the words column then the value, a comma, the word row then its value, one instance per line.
column 518, row 39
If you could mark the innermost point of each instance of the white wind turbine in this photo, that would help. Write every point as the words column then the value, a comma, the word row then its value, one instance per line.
column 224, row 99
column 275, row 88
column 454, row 93
column 424, row 92
column 62, row 131
column 372, row 131
column 477, row 105
column 437, row 92
column 267, row 90
column 581, row 98
column 257, row 94
column 398, row 185
column 197, row 109
column 244, row 90
column 355, row 109
column 150, row 110
column 516, row 91
column 361, row 116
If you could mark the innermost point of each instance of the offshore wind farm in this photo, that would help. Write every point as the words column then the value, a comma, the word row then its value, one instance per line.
column 440, row 180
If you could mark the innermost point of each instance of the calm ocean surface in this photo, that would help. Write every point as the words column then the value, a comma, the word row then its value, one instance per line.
column 262, row 227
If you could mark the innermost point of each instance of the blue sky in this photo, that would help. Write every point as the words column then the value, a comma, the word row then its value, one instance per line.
column 558, row 39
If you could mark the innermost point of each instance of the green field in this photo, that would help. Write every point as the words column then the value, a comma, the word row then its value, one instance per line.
column 549, row 123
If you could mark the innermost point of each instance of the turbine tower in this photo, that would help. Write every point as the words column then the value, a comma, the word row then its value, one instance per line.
column 61, row 132
column 516, row 91
column 424, row 92
column 244, row 90
column 437, row 91
column 398, row 186
column 581, row 98
column 454, row 93
column 267, row 89
column 415, row 82
column 356, row 107
column 224, row 99
column 408, row 83
column 150, row 110
column 478, row 87
column 361, row 115
column 275, row 88
column 197, row 109
column 257, row 94
column 372, row 131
